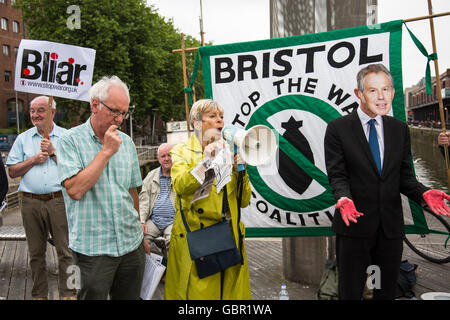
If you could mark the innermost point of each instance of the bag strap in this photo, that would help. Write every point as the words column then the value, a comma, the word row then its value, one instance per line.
column 240, row 186
column 225, row 207
column 182, row 216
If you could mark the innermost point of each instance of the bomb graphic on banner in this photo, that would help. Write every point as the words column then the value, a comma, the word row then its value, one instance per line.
column 294, row 176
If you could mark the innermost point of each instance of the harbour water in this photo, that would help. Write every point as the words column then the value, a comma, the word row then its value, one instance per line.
column 429, row 164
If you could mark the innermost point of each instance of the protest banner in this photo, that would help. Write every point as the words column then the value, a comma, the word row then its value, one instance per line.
column 54, row 69
column 296, row 86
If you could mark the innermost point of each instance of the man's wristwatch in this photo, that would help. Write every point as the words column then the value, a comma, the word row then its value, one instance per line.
column 52, row 155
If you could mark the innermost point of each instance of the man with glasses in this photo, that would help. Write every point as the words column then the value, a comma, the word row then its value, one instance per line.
column 116, row 113
column 99, row 169
column 33, row 158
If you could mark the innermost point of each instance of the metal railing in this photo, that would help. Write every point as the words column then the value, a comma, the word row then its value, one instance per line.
column 147, row 152
column 12, row 199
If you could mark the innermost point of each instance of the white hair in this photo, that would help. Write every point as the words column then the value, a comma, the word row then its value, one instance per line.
column 46, row 100
column 100, row 90
column 163, row 146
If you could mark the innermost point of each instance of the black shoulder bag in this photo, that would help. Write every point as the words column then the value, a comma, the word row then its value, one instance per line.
column 212, row 248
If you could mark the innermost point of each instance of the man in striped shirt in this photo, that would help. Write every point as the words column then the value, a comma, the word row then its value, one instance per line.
column 99, row 169
column 156, row 200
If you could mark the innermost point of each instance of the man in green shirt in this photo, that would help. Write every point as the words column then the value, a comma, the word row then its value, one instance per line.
column 99, row 169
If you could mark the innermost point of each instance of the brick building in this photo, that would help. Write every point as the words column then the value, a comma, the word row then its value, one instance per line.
column 425, row 107
column 12, row 30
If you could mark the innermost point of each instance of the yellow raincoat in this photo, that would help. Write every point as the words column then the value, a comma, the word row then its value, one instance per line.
column 182, row 281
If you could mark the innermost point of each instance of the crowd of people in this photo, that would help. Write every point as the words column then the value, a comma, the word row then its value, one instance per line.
column 80, row 186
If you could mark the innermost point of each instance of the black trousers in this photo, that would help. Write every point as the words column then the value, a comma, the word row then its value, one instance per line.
column 355, row 255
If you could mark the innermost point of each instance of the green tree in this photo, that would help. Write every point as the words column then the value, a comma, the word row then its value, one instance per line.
column 131, row 41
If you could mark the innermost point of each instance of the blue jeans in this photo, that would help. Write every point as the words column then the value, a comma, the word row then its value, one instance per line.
column 120, row 277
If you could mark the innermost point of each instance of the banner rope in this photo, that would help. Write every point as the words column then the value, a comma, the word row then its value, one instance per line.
column 188, row 90
column 429, row 57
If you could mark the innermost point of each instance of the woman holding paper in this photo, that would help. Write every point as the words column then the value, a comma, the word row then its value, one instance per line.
column 182, row 279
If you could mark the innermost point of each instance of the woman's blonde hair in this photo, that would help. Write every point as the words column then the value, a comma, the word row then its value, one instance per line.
column 201, row 107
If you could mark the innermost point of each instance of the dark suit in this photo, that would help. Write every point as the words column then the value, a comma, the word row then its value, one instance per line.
column 3, row 181
column 443, row 151
column 352, row 173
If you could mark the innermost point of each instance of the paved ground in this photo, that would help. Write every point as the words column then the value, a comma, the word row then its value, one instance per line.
column 12, row 217
column 264, row 259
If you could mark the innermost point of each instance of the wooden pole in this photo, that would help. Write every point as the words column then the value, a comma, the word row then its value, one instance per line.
column 185, row 49
column 428, row 17
column 438, row 88
column 48, row 118
column 202, row 34
column 186, row 99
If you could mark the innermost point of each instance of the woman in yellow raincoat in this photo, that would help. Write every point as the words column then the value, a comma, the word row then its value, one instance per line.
column 182, row 281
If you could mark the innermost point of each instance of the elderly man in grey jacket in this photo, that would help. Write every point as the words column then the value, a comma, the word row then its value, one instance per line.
column 157, row 199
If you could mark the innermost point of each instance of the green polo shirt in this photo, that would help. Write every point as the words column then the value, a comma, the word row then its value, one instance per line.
column 103, row 221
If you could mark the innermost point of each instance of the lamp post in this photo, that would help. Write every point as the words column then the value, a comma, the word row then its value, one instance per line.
column 131, row 110
column 153, row 127
column 17, row 115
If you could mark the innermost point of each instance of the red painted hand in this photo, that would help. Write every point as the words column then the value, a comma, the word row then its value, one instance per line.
column 348, row 210
column 435, row 200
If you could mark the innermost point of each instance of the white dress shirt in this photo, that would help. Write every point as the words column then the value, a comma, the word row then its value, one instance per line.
column 364, row 118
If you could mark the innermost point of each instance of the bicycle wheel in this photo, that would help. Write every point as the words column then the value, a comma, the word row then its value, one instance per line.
column 433, row 246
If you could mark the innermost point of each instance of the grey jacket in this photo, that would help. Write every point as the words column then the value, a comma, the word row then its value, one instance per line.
column 149, row 193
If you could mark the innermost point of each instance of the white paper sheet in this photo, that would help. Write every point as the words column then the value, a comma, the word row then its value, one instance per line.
column 153, row 273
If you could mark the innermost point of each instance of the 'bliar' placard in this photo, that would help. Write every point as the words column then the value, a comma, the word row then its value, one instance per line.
column 54, row 69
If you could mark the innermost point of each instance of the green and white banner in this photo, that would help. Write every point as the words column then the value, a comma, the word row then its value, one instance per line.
column 295, row 86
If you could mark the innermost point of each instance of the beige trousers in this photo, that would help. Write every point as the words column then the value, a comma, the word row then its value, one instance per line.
column 39, row 219
column 153, row 232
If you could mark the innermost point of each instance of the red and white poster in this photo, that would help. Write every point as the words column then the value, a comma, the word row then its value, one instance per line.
column 54, row 69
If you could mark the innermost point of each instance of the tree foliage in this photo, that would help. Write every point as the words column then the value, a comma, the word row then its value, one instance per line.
column 131, row 41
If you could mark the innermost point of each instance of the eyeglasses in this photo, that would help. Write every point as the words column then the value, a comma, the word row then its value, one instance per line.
column 116, row 113
column 40, row 110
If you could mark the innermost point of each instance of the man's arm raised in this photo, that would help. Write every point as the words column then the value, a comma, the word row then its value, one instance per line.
column 84, row 180
column 19, row 169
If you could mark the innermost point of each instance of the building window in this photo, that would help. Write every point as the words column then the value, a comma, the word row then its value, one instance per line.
column 11, row 105
column 2, row 1
column 15, row 25
column 5, row 49
column 16, row 50
column 4, row 23
column 8, row 76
